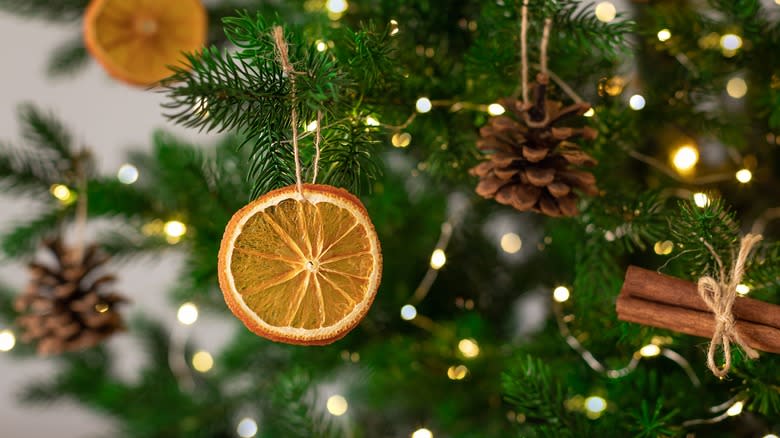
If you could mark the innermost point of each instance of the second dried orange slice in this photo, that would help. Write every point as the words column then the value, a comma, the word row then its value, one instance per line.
column 301, row 269
column 136, row 40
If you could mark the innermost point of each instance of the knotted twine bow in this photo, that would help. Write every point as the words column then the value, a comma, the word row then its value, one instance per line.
column 719, row 295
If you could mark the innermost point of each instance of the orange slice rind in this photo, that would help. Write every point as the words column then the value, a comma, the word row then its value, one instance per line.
column 301, row 270
column 137, row 40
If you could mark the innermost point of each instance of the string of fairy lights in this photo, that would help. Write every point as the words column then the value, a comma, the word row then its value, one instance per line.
column 681, row 165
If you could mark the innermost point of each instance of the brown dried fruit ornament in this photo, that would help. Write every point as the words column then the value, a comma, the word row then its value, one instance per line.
column 64, row 307
column 530, row 161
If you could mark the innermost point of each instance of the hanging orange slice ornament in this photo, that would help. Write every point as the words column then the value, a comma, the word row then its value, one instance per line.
column 301, row 267
column 137, row 40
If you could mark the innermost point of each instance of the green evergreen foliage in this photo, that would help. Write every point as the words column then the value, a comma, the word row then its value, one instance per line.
column 462, row 55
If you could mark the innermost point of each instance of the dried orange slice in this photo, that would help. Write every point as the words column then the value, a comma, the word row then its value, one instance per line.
column 136, row 40
column 301, row 270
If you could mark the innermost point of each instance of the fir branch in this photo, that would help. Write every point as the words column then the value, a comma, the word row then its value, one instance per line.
column 59, row 11
column 349, row 156
column 24, row 239
column 652, row 423
column 578, row 24
column 67, row 59
column 530, row 387
column 271, row 161
column 295, row 405
column 26, row 172
column 45, row 132
column 714, row 224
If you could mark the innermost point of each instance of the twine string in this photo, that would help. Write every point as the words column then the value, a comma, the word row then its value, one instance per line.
column 719, row 295
column 543, row 45
column 81, row 204
column 284, row 59
column 524, row 50
column 317, row 139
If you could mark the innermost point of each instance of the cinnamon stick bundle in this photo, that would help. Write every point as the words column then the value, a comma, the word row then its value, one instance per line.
column 662, row 301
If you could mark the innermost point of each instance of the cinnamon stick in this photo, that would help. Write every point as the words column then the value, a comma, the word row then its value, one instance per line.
column 652, row 286
column 692, row 322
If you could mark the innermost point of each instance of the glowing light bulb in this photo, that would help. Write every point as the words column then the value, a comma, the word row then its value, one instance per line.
column 744, row 176
column 736, row 88
column 438, row 259
column 322, row 46
column 408, row 312
column 636, row 102
column 394, row 29
column 371, row 121
column 202, row 361
column 650, row 350
column 685, row 158
column 701, row 199
column 247, row 428
column 7, row 340
column 469, row 348
column 561, row 294
column 605, row 11
column 511, row 243
column 589, row 113
column 422, row 433
column 337, row 6
column 730, row 41
column 401, row 139
column 735, row 409
column 496, row 109
column 174, row 229
column 771, row 435
column 187, row 314
column 311, row 127
column 423, row 105
column 337, row 405
column 127, row 174
column 663, row 247
column 742, row 289
column 60, row 191
column 457, row 372
column 595, row 404
column 664, row 35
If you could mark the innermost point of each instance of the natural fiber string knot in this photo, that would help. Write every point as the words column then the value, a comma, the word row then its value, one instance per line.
column 719, row 296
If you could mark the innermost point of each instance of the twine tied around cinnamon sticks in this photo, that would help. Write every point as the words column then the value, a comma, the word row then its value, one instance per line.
column 719, row 295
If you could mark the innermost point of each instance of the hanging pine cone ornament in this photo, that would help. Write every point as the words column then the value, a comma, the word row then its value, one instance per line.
column 532, row 162
column 64, row 307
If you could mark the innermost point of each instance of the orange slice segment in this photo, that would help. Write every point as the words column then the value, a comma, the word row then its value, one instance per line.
column 136, row 40
column 301, row 270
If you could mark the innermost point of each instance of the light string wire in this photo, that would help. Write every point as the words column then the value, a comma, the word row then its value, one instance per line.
column 632, row 365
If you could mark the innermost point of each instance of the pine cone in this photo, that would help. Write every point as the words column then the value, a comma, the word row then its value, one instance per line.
column 530, row 161
column 64, row 307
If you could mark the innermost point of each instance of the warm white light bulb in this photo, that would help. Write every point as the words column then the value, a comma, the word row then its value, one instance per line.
column 496, row 109
column 408, row 312
column 730, row 41
column 322, row 46
column 511, row 243
column 438, row 259
column 60, row 191
column 423, row 105
column 736, row 88
column 202, row 361
column 372, row 121
column 337, row 6
column 422, row 433
column 187, row 314
column 664, row 35
column 735, row 409
column 650, row 350
column 127, row 174
column 561, row 294
column 589, row 113
column 247, row 428
column 701, row 199
column 469, row 348
column 685, row 158
column 636, row 102
column 337, row 405
column 401, row 139
column 742, row 289
column 7, row 340
column 605, row 11
column 744, row 176
column 595, row 404
column 311, row 127
column 174, row 229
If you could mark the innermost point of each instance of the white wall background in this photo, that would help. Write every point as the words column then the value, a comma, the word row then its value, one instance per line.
column 110, row 118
